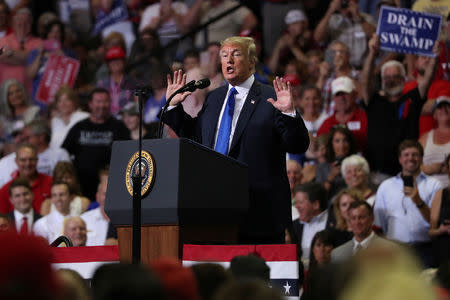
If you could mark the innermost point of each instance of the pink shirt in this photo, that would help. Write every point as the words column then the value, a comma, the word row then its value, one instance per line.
column 8, row 71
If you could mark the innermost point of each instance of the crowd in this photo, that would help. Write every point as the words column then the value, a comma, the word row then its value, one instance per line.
column 377, row 168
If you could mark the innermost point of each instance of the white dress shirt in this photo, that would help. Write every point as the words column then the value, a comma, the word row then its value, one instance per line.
column 364, row 243
column 50, row 226
column 97, row 227
column 18, row 219
column 317, row 224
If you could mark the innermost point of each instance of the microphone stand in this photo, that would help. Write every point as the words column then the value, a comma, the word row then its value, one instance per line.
column 137, row 186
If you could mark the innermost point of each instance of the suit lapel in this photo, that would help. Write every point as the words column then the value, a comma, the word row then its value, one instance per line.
column 212, row 116
column 250, row 104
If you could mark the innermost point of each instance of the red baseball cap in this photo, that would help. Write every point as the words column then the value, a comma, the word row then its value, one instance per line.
column 115, row 52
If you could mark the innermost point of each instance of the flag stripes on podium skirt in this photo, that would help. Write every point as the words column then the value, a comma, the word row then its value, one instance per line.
column 84, row 260
column 282, row 260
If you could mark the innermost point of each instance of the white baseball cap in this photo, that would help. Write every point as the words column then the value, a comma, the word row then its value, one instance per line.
column 294, row 15
column 342, row 84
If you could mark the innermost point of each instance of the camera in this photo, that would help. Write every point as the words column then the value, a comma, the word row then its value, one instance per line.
column 344, row 3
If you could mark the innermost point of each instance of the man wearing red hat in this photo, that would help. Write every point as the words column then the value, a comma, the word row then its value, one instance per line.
column 116, row 59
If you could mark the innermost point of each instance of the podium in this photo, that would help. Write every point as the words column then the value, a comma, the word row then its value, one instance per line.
column 196, row 196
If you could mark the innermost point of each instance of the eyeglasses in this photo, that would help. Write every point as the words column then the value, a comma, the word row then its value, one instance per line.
column 339, row 126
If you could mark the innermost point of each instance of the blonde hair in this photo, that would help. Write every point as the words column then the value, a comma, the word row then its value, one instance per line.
column 67, row 90
column 341, row 223
column 244, row 42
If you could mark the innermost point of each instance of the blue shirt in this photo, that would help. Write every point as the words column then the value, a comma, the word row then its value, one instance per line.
column 398, row 215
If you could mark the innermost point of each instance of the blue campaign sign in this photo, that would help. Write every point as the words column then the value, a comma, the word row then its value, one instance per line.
column 118, row 13
column 406, row 31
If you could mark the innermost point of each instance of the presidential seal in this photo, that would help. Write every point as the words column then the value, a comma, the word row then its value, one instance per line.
column 147, row 169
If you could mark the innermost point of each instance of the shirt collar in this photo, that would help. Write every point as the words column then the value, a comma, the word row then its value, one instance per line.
column 19, row 216
column 318, row 218
column 365, row 242
column 421, row 176
column 244, row 87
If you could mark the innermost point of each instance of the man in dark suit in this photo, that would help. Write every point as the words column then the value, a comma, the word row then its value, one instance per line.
column 21, row 196
column 242, row 120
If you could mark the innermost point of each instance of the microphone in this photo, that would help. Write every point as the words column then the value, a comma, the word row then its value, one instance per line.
column 202, row 83
column 186, row 88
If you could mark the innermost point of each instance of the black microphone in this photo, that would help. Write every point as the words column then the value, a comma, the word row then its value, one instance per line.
column 202, row 83
column 187, row 87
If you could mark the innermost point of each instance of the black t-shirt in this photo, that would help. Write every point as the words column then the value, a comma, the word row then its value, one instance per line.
column 90, row 144
column 389, row 124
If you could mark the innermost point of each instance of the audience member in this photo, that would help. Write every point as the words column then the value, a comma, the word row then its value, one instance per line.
column 51, row 226
column 130, row 117
column 436, row 143
column 237, row 21
column 38, row 134
column 16, row 107
column 17, row 45
column 210, row 277
column 356, row 172
column 390, row 111
column 344, row 22
column 294, row 174
column 26, row 270
column 23, row 216
column 361, row 219
column 310, row 106
column 126, row 281
column 402, row 205
column 5, row 223
column 113, row 39
column 320, row 251
column 248, row 290
column 68, row 113
column 158, row 83
column 75, row 230
column 100, row 229
column 440, row 221
column 90, row 140
column 330, row 69
column 293, row 44
column 116, row 82
column 4, row 19
column 347, row 112
column 191, row 60
column 341, row 204
column 178, row 282
column 211, row 65
column 311, row 202
column 65, row 172
column 340, row 145
column 72, row 286
column 26, row 160
column 54, row 37
column 249, row 267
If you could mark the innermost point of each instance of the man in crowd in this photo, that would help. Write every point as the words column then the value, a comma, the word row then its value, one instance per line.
column 402, row 205
column 311, row 202
column 51, row 226
column 344, row 22
column 90, row 140
column 361, row 223
column 21, row 196
column 347, row 111
column 101, row 231
column 242, row 120
column 294, row 174
column 26, row 160
column 389, row 111
column 38, row 134
column 75, row 230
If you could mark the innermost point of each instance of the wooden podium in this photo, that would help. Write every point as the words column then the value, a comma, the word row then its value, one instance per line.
column 198, row 196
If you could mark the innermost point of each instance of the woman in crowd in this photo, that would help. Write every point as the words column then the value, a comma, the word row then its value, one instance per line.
column 341, row 203
column 340, row 144
column 436, row 143
column 67, row 114
column 355, row 170
column 37, row 59
column 65, row 172
column 16, row 107
column 321, row 246
column 310, row 107
column 440, row 221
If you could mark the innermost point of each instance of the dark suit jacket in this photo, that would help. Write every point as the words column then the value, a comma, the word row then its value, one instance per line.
column 261, row 139
column 36, row 217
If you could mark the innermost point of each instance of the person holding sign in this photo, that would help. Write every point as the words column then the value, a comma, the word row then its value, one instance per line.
column 392, row 116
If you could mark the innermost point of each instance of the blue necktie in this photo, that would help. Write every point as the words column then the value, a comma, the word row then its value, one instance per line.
column 223, row 136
